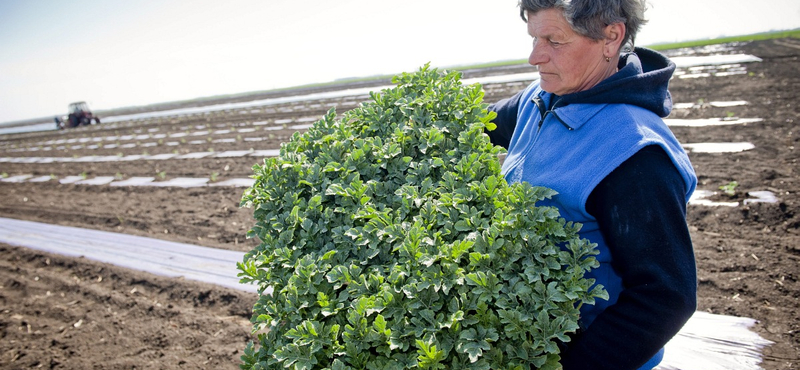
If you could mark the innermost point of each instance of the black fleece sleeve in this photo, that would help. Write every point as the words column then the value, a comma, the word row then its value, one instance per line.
column 506, row 120
column 641, row 212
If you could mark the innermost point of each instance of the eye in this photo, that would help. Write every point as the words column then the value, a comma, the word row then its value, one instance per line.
column 553, row 42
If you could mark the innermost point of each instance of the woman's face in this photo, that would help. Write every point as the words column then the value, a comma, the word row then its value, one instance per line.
column 567, row 62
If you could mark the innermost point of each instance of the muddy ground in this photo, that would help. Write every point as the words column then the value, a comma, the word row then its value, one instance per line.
column 72, row 313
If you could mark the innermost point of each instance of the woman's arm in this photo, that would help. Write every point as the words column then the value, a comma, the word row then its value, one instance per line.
column 506, row 120
column 641, row 210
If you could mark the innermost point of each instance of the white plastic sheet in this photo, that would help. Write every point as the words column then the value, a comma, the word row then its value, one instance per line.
column 210, row 265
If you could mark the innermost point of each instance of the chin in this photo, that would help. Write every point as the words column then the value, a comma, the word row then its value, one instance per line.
column 550, row 89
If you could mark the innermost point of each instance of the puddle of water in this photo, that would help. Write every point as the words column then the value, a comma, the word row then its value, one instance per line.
column 718, row 147
column 708, row 49
column 761, row 197
column 709, row 122
column 710, row 60
column 50, row 126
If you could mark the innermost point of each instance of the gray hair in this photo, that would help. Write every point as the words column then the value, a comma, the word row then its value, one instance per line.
column 590, row 17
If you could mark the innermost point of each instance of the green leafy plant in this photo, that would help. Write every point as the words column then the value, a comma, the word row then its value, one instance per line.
column 390, row 240
column 729, row 188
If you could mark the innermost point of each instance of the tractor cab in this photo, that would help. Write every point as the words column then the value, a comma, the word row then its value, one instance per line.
column 79, row 108
column 80, row 115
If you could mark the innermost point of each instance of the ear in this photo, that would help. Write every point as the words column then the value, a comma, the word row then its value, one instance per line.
column 615, row 33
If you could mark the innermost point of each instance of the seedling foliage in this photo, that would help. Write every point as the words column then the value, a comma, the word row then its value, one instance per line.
column 390, row 240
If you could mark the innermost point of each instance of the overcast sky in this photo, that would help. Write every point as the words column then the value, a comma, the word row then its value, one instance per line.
column 115, row 53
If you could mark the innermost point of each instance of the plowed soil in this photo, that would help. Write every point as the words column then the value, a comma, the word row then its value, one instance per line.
column 71, row 313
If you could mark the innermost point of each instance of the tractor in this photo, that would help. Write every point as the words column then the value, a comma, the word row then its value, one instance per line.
column 79, row 115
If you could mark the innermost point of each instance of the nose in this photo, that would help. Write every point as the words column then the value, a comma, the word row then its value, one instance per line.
column 537, row 56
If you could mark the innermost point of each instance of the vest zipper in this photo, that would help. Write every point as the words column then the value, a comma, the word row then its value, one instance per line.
column 543, row 112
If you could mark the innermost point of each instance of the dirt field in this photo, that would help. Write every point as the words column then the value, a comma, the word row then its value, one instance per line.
column 68, row 313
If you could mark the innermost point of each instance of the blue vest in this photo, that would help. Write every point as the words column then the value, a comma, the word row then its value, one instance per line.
column 571, row 151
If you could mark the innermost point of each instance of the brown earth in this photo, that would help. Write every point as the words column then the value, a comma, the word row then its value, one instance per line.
column 71, row 313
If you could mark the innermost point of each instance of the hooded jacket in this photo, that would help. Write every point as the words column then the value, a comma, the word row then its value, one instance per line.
column 620, row 172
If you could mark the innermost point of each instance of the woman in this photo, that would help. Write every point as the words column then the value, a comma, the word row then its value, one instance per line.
column 591, row 129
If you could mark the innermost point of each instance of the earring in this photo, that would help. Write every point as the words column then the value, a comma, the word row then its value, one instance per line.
column 608, row 59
